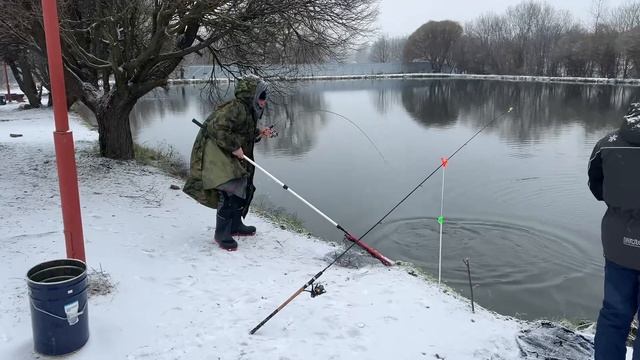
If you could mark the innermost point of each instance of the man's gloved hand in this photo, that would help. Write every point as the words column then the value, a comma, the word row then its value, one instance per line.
column 238, row 153
column 268, row 132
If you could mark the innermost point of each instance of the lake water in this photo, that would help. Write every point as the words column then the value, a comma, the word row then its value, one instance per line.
column 516, row 200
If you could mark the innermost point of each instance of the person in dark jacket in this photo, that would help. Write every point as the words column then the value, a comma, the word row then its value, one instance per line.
column 614, row 177
column 219, row 177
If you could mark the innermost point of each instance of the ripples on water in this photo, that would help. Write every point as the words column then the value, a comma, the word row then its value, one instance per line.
column 503, row 255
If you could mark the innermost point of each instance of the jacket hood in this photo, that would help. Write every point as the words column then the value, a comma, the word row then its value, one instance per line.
column 630, row 128
column 248, row 89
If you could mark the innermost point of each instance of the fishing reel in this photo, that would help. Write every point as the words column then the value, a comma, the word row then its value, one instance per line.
column 316, row 290
column 274, row 132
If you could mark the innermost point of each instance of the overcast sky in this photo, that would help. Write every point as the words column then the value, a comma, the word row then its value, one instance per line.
column 402, row 17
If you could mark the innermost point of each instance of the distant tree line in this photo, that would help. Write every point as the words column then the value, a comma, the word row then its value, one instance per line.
column 531, row 38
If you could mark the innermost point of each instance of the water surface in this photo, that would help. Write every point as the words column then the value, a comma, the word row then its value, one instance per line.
column 516, row 199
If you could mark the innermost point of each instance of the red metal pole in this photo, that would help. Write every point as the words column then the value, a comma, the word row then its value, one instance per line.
column 63, row 137
column 6, row 76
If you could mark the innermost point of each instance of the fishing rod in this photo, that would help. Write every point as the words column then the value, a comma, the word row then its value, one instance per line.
column 317, row 289
column 375, row 253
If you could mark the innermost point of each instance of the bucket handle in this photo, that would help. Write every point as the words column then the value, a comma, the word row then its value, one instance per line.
column 70, row 309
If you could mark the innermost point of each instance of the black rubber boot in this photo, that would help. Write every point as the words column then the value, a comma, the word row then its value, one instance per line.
column 223, row 234
column 224, row 220
column 240, row 229
column 237, row 227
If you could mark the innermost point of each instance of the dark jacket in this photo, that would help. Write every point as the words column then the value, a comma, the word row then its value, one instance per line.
column 614, row 177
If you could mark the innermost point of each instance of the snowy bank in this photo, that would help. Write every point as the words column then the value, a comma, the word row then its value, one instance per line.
column 435, row 76
column 177, row 296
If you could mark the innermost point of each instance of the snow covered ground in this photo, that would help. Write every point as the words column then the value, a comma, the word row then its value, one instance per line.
column 177, row 296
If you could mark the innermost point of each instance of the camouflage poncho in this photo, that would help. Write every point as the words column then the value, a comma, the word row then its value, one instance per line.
column 231, row 126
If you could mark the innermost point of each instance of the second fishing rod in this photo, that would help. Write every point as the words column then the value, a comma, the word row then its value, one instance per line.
column 318, row 290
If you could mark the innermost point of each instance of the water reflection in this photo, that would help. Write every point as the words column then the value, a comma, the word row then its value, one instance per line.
column 172, row 101
column 162, row 119
column 539, row 109
column 436, row 102
column 432, row 104
column 292, row 115
column 385, row 98
column 297, row 123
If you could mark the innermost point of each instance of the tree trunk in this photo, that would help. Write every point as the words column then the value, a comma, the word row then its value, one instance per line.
column 105, row 81
column 436, row 66
column 116, row 141
column 22, row 73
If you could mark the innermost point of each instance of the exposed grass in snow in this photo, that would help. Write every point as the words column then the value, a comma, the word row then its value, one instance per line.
column 280, row 217
column 165, row 158
column 100, row 283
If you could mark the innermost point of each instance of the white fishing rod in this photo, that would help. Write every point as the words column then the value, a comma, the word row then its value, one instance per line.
column 374, row 252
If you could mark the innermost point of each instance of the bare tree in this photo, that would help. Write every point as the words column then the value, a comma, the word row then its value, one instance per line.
column 632, row 49
column 491, row 36
column 22, row 62
column 433, row 42
column 624, row 19
column 599, row 13
column 361, row 54
column 387, row 49
column 604, row 53
column 397, row 45
column 534, row 38
column 137, row 44
column 468, row 56
column 381, row 50
column 531, row 38
column 23, row 67
column 573, row 53
column 536, row 29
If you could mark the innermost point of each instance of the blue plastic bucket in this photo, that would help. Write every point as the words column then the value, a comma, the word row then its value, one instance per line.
column 59, row 307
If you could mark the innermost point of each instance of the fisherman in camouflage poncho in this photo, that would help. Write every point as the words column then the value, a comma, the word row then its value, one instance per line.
column 219, row 177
